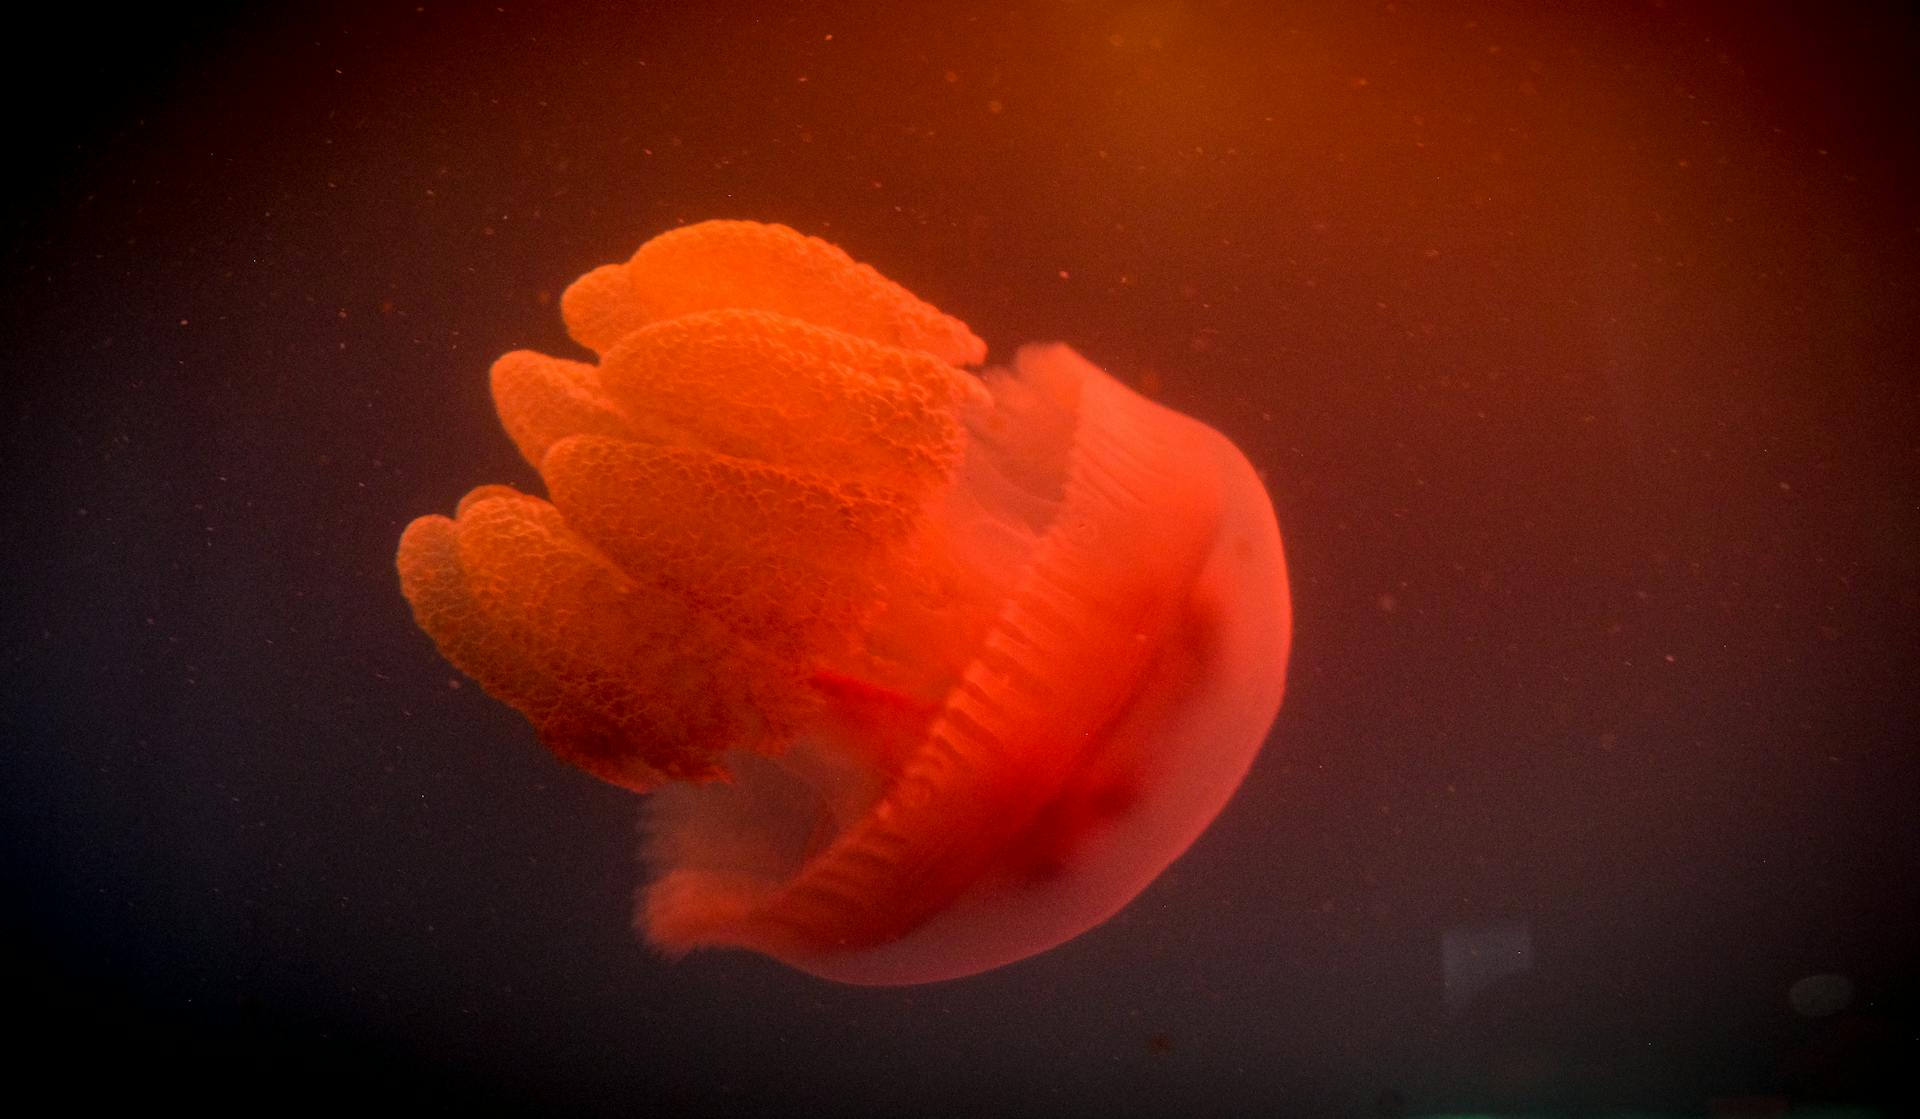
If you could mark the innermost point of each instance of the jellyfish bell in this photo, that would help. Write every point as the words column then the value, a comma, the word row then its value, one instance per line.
column 924, row 671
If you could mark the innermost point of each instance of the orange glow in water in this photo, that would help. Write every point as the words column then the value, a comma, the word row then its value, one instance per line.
column 925, row 670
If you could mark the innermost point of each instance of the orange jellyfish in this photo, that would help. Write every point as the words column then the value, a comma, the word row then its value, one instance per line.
column 925, row 670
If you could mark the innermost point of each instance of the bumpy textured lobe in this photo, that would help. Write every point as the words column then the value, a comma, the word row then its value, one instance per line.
column 770, row 267
column 728, row 486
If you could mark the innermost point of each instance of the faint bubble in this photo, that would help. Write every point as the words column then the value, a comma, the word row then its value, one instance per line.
column 1817, row 996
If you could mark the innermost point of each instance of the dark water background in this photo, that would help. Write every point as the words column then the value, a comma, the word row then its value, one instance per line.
column 1578, row 351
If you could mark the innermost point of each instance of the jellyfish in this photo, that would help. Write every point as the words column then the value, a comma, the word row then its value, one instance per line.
column 925, row 666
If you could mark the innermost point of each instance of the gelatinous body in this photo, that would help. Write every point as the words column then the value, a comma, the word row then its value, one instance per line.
column 926, row 671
